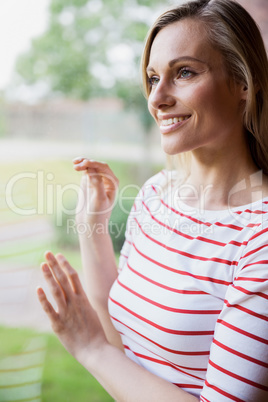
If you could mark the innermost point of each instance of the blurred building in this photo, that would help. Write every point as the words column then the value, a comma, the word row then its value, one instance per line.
column 95, row 121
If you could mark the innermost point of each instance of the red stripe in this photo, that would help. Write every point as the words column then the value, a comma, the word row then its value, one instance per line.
column 256, row 212
column 247, row 292
column 196, row 220
column 203, row 399
column 229, row 226
column 237, row 243
column 163, row 363
column 241, row 278
column 258, row 234
column 163, row 307
column 220, row 391
column 246, row 310
column 254, row 251
column 201, row 238
column 188, row 255
column 176, row 352
column 238, row 377
column 242, row 355
column 123, row 255
column 168, row 363
column 190, row 386
column 161, row 285
column 167, row 330
column 253, row 225
column 183, row 234
column 185, row 216
column 241, row 331
column 255, row 263
column 199, row 277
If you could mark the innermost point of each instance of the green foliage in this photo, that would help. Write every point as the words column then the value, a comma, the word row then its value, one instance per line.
column 117, row 224
column 65, row 232
column 92, row 48
column 64, row 379
column 66, row 236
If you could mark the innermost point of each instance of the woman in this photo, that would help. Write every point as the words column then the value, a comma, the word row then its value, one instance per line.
column 190, row 301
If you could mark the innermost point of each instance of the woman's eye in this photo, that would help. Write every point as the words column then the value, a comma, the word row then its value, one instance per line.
column 153, row 81
column 184, row 73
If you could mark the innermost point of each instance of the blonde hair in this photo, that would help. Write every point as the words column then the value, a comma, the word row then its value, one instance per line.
column 233, row 32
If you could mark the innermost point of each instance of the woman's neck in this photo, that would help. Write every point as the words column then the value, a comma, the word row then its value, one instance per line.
column 223, row 180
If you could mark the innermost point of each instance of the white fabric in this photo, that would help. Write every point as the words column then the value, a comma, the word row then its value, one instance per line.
column 190, row 301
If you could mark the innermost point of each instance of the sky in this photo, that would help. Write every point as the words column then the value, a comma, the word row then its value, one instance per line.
column 20, row 21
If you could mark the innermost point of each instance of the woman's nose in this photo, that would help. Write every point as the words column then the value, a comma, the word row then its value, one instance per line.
column 161, row 96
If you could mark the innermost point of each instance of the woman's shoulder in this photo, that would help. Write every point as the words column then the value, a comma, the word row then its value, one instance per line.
column 159, row 181
column 156, row 184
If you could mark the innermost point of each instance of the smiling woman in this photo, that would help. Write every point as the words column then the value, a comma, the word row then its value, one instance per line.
column 193, row 89
column 188, row 305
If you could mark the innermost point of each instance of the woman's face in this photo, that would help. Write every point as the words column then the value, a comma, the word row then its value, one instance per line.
column 192, row 100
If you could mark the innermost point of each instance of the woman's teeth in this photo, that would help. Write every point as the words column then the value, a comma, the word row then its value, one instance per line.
column 175, row 120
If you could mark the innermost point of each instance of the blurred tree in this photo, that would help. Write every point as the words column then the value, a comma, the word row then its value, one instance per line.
column 92, row 48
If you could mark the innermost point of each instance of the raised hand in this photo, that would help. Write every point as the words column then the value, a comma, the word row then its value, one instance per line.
column 96, row 200
column 74, row 321
column 98, row 191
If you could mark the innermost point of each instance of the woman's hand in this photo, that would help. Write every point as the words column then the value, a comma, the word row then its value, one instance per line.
column 75, row 322
column 78, row 328
column 98, row 191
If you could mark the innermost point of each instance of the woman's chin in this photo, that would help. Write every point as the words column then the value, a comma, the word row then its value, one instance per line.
column 170, row 149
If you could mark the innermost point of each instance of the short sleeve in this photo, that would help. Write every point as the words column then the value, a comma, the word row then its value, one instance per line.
column 238, row 363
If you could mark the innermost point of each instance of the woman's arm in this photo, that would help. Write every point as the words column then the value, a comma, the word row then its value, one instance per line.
column 77, row 326
column 96, row 201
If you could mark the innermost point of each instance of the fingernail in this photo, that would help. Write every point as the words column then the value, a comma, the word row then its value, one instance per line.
column 39, row 291
column 45, row 267
column 48, row 254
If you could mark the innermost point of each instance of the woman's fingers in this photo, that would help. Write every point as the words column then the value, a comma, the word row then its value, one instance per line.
column 101, row 183
column 55, row 288
column 63, row 274
column 71, row 274
column 78, row 159
column 96, row 169
column 58, row 273
column 63, row 282
column 46, row 305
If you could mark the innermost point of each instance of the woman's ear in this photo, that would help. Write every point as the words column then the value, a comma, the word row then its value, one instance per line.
column 244, row 93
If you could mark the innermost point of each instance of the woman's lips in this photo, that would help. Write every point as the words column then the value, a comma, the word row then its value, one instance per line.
column 169, row 125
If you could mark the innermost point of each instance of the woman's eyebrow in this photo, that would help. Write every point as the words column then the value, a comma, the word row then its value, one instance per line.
column 184, row 58
column 178, row 60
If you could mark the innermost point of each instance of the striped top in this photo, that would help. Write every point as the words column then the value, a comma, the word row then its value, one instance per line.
column 191, row 298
